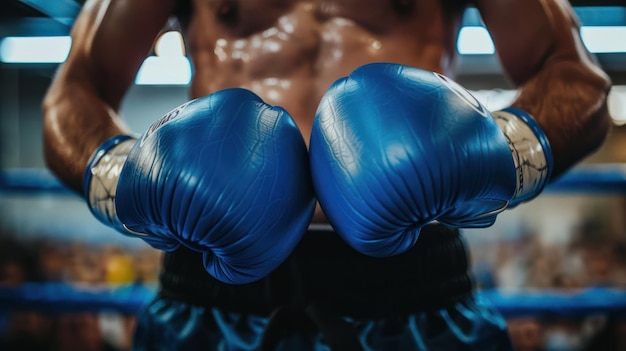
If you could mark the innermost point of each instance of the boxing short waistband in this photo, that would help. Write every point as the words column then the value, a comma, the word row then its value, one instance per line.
column 323, row 268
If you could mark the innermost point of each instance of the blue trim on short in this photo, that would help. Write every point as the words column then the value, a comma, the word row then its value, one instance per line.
column 471, row 325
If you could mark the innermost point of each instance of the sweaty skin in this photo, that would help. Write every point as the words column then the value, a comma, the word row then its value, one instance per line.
column 289, row 52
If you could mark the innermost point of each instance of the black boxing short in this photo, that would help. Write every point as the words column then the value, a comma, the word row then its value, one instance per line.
column 328, row 296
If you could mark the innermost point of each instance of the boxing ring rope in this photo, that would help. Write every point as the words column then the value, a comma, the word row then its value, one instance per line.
column 129, row 299
column 62, row 298
column 588, row 179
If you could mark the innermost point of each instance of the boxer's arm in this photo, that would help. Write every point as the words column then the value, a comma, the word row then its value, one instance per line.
column 540, row 48
column 110, row 39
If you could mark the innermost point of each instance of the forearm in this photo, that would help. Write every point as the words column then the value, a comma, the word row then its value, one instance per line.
column 110, row 39
column 568, row 100
column 76, row 122
column 542, row 53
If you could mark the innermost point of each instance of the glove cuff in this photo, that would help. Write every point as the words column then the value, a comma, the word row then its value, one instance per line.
column 101, row 176
column 531, row 152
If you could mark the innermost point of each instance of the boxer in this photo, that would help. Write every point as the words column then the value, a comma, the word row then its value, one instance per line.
column 239, row 276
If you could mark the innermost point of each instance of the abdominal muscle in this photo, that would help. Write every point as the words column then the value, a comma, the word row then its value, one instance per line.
column 290, row 52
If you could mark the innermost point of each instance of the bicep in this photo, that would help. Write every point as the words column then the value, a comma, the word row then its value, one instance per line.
column 110, row 40
column 529, row 34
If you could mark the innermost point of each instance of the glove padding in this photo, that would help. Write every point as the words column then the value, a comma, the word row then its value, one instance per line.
column 394, row 148
column 226, row 175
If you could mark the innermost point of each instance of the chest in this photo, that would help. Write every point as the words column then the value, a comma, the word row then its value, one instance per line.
column 241, row 18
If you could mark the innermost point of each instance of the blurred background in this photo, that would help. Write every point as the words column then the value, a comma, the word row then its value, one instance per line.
column 571, row 239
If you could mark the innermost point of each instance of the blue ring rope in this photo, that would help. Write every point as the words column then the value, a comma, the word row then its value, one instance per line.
column 130, row 299
column 589, row 179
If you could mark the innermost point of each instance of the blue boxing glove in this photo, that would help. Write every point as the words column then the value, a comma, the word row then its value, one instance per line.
column 226, row 175
column 394, row 148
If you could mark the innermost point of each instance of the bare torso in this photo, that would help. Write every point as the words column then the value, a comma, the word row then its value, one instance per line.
column 289, row 51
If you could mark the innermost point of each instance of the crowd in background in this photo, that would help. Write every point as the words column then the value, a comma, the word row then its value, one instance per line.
column 594, row 257
column 78, row 264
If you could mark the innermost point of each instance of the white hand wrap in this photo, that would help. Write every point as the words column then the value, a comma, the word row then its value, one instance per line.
column 101, row 177
column 531, row 152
